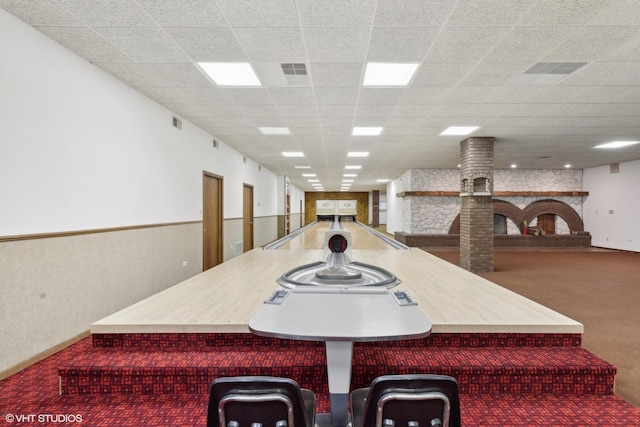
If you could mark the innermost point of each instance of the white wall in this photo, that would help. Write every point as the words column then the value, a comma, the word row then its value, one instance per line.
column 612, row 209
column 81, row 150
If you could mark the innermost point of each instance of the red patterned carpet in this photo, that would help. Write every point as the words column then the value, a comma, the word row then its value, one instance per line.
column 32, row 396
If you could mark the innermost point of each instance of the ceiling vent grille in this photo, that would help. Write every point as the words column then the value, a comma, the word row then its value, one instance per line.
column 295, row 73
column 298, row 69
column 546, row 73
column 555, row 67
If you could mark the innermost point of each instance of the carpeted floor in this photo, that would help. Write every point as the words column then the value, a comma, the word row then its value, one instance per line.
column 600, row 289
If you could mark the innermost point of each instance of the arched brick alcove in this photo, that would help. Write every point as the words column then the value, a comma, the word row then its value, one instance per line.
column 556, row 207
column 533, row 210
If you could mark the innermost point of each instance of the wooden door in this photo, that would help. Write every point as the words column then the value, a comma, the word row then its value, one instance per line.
column 212, row 217
column 547, row 222
column 247, row 218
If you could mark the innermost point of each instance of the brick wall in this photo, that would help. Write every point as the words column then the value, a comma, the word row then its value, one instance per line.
column 476, row 212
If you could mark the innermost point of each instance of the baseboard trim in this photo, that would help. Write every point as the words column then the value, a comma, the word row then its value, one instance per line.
column 42, row 355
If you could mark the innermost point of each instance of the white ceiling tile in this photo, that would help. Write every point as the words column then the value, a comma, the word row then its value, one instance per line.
column 336, row 13
column 143, row 44
column 425, row 95
column 565, row 12
column 490, row 95
column 488, row 12
column 377, row 110
column 337, row 44
column 200, row 95
column 443, row 74
column 336, row 75
column 586, row 94
column 412, row 13
column 39, row 12
column 272, row 44
column 208, row 44
column 464, row 43
column 495, row 73
column 605, row 74
column 591, row 43
column 346, row 110
column 259, row 110
column 279, row 13
column 400, row 44
column 176, row 75
column 336, row 122
column 85, row 43
column 302, row 122
column 190, row 13
column 620, row 12
column 123, row 13
column 380, row 95
column 298, row 110
column 131, row 74
column 528, row 43
column 336, row 96
column 247, row 96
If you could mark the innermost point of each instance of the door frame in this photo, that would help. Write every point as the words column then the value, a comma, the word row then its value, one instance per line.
column 216, row 224
column 247, row 217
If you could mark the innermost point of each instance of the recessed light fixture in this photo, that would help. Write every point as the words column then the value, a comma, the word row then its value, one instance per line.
column 567, row 166
column 459, row 130
column 230, row 73
column 366, row 131
column 383, row 180
column 347, row 180
column 388, row 74
column 275, row 131
column 302, row 167
column 293, row 154
column 513, row 166
column 617, row 144
column 350, row 175
column 313, row 180
column 353, row 167
column 316, row 184
column 309, row 174
column 358, row 154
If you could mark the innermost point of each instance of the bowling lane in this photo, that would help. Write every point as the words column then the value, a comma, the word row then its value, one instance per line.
column 313, row 238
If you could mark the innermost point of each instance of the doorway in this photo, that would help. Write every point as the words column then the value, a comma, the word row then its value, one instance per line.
column 247, row 217
column 212, row 218
column 499, row 224
column 547, row 222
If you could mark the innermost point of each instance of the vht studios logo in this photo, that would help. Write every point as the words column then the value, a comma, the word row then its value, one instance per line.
column 43, row 418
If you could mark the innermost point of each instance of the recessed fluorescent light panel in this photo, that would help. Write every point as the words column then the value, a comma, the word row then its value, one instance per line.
column 347, row 180
column 350, row 175
column 230, row 73
column 617, row 144
column 388, row 74
column 353, row 167
column 302, row 167
column 357, row 154
column 275, row 131
column 309, row 174
column 366, row 131
column 293, row 154
column 459, row 130
column 382, row 180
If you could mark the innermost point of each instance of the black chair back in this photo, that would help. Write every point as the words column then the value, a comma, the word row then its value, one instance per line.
column 259, row 401
column 417, row 400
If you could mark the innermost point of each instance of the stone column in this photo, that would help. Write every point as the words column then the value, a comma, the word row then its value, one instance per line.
column 476, row 213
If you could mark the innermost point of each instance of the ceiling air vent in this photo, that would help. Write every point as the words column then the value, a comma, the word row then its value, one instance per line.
column 295, row 73
column 177, row 123
column 546, row 73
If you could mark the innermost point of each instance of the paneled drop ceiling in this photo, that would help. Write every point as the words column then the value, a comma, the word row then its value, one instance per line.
column 505, row 66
